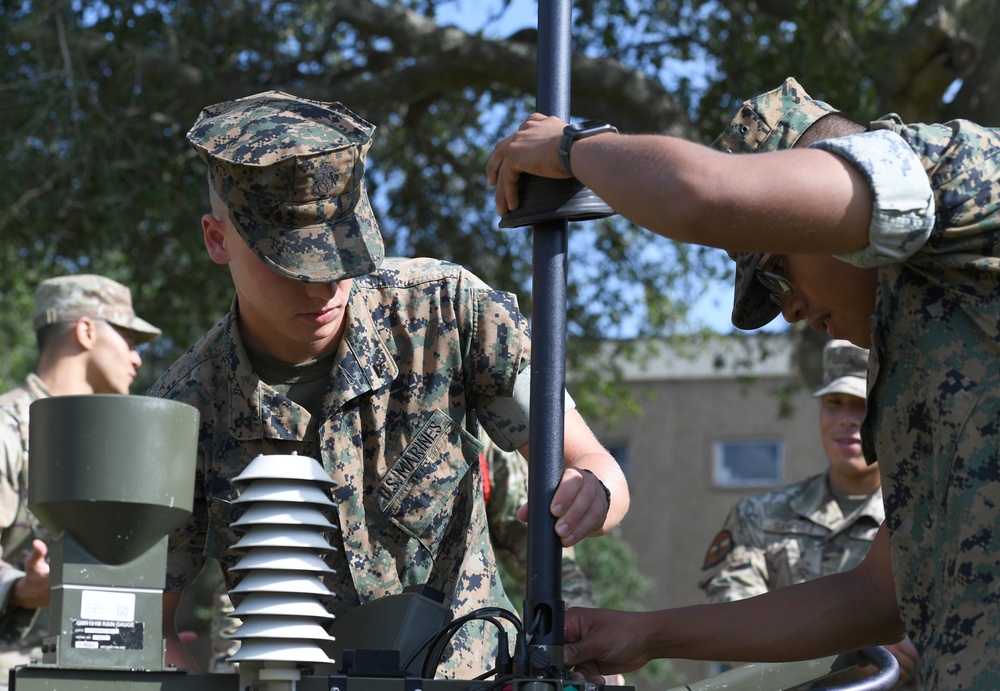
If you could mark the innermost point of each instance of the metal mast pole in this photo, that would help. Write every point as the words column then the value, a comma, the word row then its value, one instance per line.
column 544, row 608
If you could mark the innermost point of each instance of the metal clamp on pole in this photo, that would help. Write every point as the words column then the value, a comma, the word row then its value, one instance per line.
column 549, row 199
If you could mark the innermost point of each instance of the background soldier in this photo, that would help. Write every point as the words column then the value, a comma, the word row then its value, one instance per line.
column 87, row 335
column 821, row 525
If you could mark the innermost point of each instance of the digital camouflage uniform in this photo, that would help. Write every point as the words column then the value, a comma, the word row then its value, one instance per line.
column 934, row 366
column 429, row 356
column 934, row 417
column 791, row 535
column 426, row 344
column 63, row 299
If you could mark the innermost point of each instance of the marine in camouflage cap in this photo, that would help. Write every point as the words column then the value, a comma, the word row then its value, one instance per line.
column 845, row 369
column 769, row 122
column 291, row 172
column 67, row 298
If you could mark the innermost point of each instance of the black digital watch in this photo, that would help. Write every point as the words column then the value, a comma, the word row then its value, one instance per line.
column 580, row 130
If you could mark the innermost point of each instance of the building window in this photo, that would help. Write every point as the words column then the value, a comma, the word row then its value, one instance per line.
column 620, row 453
column 748, row 463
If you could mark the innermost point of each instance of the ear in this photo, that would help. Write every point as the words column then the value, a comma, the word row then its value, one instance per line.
column 215, row 239
column 86, row 333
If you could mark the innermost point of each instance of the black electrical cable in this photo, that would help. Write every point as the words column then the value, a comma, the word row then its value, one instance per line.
column 431, row 638
column 436, row 651
column 438, row 640
column 536, row 622
column 499, row 682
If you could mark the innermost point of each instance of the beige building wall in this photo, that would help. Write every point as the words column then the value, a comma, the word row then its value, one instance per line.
column 689, row 405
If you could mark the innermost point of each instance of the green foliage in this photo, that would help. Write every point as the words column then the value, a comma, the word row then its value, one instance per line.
column 99, row 94
column 610, row 565
column 836, row 48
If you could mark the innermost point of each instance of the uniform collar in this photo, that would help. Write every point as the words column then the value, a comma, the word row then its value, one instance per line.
column 36, row 387
column 363, row 364
column 816, row 503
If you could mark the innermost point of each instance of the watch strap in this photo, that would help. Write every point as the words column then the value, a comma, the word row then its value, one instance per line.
column 607, row 492
column 563, row 151
column 582, row 130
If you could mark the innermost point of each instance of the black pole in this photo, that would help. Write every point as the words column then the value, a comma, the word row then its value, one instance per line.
column 554, row 58
column 544, row 608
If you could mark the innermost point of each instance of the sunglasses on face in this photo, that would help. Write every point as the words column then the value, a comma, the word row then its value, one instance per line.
column 771, row 278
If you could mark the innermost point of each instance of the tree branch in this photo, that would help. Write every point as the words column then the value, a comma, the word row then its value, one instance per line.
column 430, row 59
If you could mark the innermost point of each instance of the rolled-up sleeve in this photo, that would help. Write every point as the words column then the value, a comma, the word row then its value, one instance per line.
column 505, row 418
column 903, row 211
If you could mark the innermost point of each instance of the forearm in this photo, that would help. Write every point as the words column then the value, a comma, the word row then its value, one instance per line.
column 644, row 178
column 683, row 191
column 582, row 451
column 795, row 623
column 604, row 467
column 845, row 611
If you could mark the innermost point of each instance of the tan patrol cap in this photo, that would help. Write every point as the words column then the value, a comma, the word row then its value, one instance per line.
column 845, row 370
column 67, row 298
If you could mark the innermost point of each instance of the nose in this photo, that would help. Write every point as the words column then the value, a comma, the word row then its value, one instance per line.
column 851, row 420
column 136, row 358
column 793, row 308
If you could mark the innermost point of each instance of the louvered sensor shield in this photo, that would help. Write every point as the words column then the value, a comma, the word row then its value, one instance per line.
column 286, row 502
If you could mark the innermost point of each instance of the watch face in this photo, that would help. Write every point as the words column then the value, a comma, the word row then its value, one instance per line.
column 590, row 124
column 572, row 133
column 589, row 127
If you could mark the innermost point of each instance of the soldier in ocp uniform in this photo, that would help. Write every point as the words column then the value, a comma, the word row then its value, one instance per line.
column 822, row 525
column 384, row 370
column 87, row 333
column 887, row 235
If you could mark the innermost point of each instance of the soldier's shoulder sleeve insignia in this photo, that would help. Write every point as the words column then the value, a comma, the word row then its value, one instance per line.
column 721, row 546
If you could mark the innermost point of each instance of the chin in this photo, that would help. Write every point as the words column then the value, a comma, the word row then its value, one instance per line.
column 861, row 341
column 862, row 338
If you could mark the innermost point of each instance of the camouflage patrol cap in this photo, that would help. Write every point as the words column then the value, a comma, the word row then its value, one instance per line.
column 291, row 171
column 67, row 298
column 769, row 122
column 845, row 369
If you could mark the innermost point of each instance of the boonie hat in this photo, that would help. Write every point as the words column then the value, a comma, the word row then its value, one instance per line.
column 845, row 369
column 291, row 172
column 67, row 298
column 769, row 122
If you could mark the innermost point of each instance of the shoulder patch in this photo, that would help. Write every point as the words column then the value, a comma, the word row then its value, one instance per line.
column 722, row 544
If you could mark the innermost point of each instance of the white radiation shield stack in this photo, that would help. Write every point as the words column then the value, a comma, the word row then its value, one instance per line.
column 286, row 502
